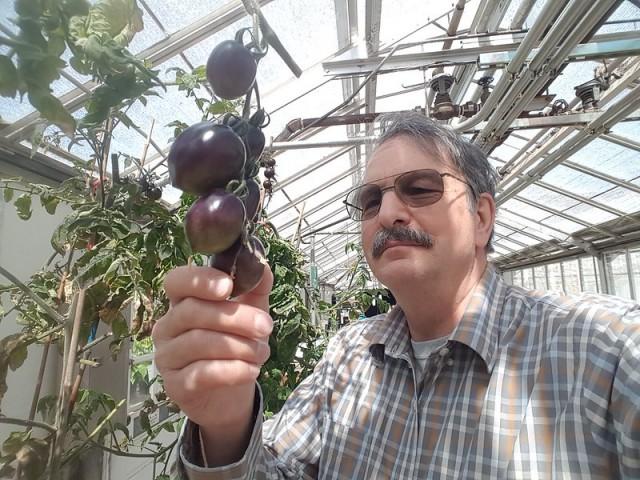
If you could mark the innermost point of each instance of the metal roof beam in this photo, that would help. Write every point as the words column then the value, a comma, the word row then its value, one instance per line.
column 372, row 14
column 600, row 125
column 483, row 21
column 622, row 141
column 347, row 28
column 604, row 46
column 569, row 29
column 613, row 115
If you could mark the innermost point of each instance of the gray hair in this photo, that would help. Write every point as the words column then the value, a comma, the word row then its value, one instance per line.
column 467, row 158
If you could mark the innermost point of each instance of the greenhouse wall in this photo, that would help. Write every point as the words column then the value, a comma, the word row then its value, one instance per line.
column 24, row 249
column 615, row 272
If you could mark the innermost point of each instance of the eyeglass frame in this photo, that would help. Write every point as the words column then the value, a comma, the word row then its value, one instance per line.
column 393, row 187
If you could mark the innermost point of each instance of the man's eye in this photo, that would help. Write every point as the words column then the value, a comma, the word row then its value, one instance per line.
column 367, row 200
column 417, row 190
column 369, row 203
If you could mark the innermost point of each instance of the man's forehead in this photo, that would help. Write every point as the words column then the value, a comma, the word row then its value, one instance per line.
column 427, row 149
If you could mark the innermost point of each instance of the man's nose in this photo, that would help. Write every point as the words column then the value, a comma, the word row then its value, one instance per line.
column 392, row 211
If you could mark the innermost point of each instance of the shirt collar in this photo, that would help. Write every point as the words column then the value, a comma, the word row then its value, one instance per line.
column 481, row 324
column 479, row 328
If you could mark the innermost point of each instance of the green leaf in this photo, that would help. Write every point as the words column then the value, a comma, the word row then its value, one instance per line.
column 220, row 107
column 120, row 427
column 14, row 443
column 52, row 109
column 119, row 327
column 145, row 423
column 8, row 77
column 49, row 202
column 23, row 205
column 47, row 408
column 17, row 356
column 168, row 426
column 8, row 194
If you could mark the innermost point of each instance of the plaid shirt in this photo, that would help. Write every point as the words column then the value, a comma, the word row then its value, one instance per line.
column 529, row 385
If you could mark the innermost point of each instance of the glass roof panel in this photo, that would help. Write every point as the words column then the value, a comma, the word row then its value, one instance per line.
column 292, row 161
column 628, row 129
column 625, row 11
column 562, row 224
column 526, row 210
column 177, row 14
column 524, row 224
column 621, row 199
column 544, row 196
column 524, row 239
column 498, row 251
column 590, row 214
column 7, row 14
column 151, row 33
column 394, row 22
column 576, row 182
column 533, row 14
column 12, row 109
column 335, row 212
column 504, row 242
column 504, row 152
column 609, row 158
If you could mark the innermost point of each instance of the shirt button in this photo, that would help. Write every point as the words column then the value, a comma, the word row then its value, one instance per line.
column 444, row 352
column 450, row 362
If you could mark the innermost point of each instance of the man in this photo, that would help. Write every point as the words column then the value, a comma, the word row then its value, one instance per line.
column 465, row 378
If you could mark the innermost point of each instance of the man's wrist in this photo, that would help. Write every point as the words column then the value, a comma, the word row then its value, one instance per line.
column 227, row 441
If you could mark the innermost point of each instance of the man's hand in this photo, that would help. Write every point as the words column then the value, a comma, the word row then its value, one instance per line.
column 209, row 350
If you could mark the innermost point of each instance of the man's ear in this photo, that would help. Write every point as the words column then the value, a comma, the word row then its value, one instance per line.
column 485, row 219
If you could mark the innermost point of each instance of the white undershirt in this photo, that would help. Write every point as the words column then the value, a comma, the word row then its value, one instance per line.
column 422, row 350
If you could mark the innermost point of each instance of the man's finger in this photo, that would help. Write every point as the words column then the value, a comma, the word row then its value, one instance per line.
column 259, row 296
column 224, row 316
column 199, row 344
column 205, row 283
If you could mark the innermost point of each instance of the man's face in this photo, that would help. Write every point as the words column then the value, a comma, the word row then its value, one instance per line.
column 449, row 223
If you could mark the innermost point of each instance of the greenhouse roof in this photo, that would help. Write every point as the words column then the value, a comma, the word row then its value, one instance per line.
column 568, row 158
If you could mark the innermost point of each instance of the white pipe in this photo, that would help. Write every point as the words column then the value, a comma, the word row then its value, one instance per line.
column 550, row 10
column 507, row 112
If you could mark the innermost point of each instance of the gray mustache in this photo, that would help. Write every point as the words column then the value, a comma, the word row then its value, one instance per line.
column 399, row 234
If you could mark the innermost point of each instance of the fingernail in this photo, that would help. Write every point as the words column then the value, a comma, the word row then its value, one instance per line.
column 223, row 287
column 263, row 324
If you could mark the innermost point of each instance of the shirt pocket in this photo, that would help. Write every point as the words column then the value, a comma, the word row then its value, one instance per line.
column 351, row 452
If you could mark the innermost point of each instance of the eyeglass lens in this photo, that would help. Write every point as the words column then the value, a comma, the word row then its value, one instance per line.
column 416, row 189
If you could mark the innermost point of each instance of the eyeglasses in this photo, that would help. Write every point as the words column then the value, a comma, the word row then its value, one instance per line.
column 416, row 188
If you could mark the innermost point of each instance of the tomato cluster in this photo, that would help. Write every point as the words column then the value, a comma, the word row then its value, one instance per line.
column 219, row 161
